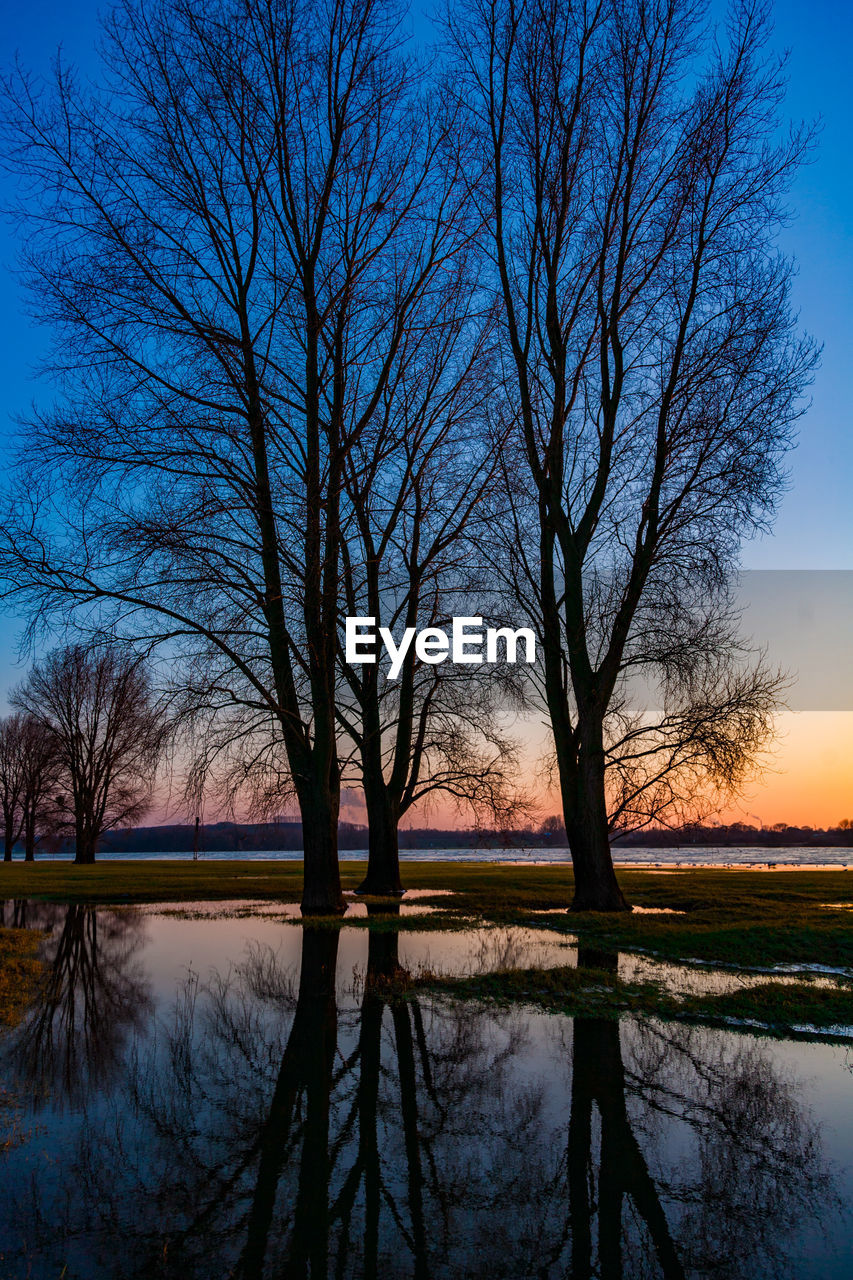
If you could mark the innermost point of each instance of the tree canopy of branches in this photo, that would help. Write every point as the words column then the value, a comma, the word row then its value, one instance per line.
column 637, row 172
column 242, row 235
column 96, row 706
column 411, row 560
column 289, row 373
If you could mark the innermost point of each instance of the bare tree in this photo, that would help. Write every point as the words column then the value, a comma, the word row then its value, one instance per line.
column 637, row 170
column 109, row 734
column 413, row 488
column 40, row 776
column 238, row 233
column 11, row 780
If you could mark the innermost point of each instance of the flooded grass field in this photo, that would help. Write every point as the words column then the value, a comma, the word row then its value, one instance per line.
column 209, row 1088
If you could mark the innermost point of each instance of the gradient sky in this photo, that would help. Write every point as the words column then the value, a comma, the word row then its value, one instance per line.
column 813, row 778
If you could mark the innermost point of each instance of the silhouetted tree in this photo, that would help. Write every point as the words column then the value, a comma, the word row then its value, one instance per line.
column 11, row 780
column 29, row 773
column 415, row 490
column 241, row 227
column 42, row 773
column 108, row 733
column 636, row 178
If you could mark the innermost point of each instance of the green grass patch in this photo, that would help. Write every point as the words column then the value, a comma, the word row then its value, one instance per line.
column 778, row 1009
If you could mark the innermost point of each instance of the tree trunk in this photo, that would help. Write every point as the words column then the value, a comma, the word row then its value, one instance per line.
column 383, row 859
column 580, row 763
column 321, row 884
column 84, row 845
column 8, row 839
column 30, row 835
column 596, row 886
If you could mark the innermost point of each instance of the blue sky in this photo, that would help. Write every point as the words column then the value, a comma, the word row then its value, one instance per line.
column 815, row 524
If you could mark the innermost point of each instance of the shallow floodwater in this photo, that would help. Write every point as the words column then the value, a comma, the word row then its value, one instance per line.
column 197, row 1095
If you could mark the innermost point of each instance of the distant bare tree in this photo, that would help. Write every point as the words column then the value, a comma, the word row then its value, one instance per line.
column 41, row 773
column 97, row 706
column 11, row 780
column 653, row 369
column 238, row 234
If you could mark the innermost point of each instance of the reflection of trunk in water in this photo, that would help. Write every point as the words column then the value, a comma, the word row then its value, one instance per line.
column 383, row 964
column 14, row 913
column 598, row 1080
column 307, row 1073
column 409, row 1108
column 306, row 1069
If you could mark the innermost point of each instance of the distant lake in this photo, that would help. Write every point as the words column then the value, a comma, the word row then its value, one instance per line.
column 686, row 855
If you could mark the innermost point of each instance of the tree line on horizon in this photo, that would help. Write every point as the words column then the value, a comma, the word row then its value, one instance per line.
column 348, row 325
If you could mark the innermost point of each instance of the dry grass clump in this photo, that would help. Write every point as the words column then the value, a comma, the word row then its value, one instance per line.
column 20, row 971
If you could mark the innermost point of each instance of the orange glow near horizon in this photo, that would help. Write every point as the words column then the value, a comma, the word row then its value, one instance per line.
column 807, row 781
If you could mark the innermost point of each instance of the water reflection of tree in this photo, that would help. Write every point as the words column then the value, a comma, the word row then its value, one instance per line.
column 279, row 1135
column 598, row 1082
column 755, row 1173
column 92, row 994
column 751, row 1175
column 599, row 1086
column 301, row 1099
column 272, row 1130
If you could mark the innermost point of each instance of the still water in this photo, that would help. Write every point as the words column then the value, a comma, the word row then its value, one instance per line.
column 625, row 856
column 197, row 1095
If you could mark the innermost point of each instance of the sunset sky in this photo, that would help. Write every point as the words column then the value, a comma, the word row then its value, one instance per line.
column 811, row 777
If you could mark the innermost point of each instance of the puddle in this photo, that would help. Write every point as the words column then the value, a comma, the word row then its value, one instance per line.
column 640, row 911
column 657, row 911
column 470, row 952
column 214, row 1094
column 247, row 908
column 689, row 980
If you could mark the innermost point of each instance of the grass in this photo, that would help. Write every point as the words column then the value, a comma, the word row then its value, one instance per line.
column 779, row 1009
column 20, row 971
column 741, row 919
column 737, row 918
